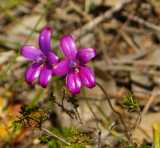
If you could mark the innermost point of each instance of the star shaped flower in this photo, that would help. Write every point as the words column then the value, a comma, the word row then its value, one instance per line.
column 74, row 67
column 42, row 59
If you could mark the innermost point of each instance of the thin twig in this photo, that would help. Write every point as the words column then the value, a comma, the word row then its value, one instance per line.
column 128, row 40
column 142, row 130
column 97, row 124
column 78, row 116
column 137, row 121
column 150, row 101
column 128, row 68
column 114, row 110
column 108, row 14
column 87, row 27
column 144, row 22
column 93, row 113
column 55, row 136
column 99, row 140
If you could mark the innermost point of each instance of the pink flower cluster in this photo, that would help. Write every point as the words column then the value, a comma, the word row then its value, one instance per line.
column 45, row 63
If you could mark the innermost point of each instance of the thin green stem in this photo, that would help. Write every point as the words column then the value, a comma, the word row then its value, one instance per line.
column 34, row 28
column 55, row 136
column 37, row 96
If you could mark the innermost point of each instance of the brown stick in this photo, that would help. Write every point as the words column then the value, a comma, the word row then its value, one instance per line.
column 143, row 22
column 115, row 111
column 150, row 101
column 108, row 14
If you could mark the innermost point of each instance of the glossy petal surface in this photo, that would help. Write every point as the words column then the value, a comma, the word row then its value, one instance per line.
column 52, row 58
column 73, row 83
column 61, row 68
column 31, row 53
column 68, row 46
column 45, row 39
column 86, row 54
column 45, row 75
column 32, row 72
column 87, row 77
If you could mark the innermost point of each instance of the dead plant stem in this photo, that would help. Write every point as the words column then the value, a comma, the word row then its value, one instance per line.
column 114, row 110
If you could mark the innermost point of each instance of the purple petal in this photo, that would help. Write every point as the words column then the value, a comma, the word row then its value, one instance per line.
column 68, row 46
column 86, row 54
column 61, row 68
column 32, row 72
column 45, row 39
column 45, row 75
column 31, row 53
column 52, row 58
column 73, row 83
column 87, row 77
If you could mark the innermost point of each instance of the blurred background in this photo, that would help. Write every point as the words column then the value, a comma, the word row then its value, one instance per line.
column 126, row 36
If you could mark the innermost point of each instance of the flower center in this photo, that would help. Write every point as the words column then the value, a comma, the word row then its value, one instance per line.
column 41, row 60
column 73, row 64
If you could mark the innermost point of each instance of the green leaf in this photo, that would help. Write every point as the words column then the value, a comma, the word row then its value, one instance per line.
column 156, row 135
column 132, row 145
column 130, row 103
column 145, row 146
column 75, row 146
column 70, row 131
column 53, row 144
column 44, row 139
column 16, row 125
column 28, row 109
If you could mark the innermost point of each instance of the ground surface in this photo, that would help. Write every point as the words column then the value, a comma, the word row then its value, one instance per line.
column 126, row 35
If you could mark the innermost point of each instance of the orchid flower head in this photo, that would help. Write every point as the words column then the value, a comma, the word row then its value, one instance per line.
column 73, row 66
column 42, row 59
